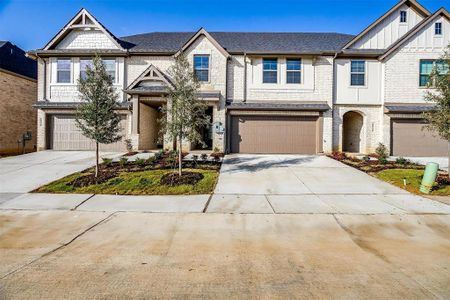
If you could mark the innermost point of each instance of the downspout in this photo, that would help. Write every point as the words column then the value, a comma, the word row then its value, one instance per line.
column 244, row 99
column 333, row 98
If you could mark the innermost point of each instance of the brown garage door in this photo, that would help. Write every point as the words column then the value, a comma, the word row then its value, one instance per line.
column 274, row 134
column 408, row 139
column 65, row 135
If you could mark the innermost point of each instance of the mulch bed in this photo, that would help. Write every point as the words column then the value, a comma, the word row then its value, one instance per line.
column 90, row 179
column 173, row 179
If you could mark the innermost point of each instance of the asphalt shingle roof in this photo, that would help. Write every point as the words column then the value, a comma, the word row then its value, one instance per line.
column 13, row 59
column 239, row 42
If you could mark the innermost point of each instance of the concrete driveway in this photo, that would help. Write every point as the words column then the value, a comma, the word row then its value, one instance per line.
column 308, row 184
column 24, row 173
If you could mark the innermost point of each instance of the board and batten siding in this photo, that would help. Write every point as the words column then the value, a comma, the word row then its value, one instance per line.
column 402, row 67
column 389, row 30
column 370, row 93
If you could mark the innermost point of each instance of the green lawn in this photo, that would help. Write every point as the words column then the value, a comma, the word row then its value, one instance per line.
column 135, row 183
column 413, row 180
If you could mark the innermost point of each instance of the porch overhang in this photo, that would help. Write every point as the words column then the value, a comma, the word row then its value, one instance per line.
column 408, row 108
column 43, row 104
column 279, row 106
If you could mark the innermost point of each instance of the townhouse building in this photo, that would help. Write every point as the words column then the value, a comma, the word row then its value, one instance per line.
column 302, row 93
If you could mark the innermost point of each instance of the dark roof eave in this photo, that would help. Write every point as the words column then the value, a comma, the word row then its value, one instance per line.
column 78, row 52
column 279, row 106
column 413, row 108
column 69, row 105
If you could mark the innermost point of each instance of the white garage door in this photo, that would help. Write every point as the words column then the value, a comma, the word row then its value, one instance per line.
column 65, row 135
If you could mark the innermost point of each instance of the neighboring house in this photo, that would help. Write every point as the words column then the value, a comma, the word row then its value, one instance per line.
column 18, row 89
column 266, row 92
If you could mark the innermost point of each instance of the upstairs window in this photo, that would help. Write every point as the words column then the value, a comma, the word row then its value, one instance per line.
column 403, row 16
column 110, row 66
column 438, row 28
column 201, row 67
column 293, row 70
column 358, row 73
column 84, row 63
column 63, row 70
column 427, row 66
column 270, row 70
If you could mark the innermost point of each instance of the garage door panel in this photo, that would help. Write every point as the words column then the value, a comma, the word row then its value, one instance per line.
column 274, row 134
column 65, row 135
column 408, row 139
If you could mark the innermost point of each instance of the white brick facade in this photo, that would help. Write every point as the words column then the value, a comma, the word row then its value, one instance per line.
column 324, row 77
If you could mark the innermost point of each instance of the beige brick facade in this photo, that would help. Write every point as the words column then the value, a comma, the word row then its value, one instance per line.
column 17, row 116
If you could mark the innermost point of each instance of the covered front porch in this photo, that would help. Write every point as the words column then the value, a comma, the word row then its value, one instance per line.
column 148, row 96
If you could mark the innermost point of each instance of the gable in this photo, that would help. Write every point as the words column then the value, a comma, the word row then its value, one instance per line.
column 84, row 32
column 422, row 38
column 202, row 37
column 387, row 29
column 152, row 80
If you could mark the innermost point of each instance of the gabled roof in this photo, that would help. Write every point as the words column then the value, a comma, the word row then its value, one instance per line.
column 13, row 59
column 441, row 12
column 422, row 10
column 243, row 42
column 83, row 19
column 151, row 73
column 199, row 33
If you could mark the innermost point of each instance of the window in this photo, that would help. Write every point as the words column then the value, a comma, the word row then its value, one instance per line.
column 84, row 63
column 270, row 67
column 110, row 66
column 201, row 67
column 358, row 73
column 438, row 28
column 403, row 16
column 63, row 73
column 293, row 70
column 427, row 66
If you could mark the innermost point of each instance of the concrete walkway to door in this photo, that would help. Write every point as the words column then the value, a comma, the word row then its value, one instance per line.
column 308, row 184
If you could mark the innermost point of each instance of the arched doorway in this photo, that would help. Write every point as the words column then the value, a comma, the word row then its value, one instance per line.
column 352, row 128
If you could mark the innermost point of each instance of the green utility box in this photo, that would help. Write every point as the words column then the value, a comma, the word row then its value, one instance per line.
column 429, row 177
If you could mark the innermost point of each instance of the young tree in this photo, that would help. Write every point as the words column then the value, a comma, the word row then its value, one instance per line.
column 96, row 116
column 185, row 112
column 439, row 118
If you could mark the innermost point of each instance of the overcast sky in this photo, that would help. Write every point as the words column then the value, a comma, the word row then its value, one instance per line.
column 31, row 24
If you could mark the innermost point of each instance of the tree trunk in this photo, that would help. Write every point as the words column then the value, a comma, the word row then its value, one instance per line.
column 96, row 159
column 179, row 157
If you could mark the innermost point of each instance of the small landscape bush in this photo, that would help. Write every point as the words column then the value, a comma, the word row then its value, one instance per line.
column 382, row 160
column 366, row 158
column 107, row 161
column 123, row 161
column 382, row 151
column 402, row 161
column 129, row 145
column 139, row 161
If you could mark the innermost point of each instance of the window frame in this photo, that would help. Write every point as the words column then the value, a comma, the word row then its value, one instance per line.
column 270, row 70
column 358, row 73
column 299, row 71
column 202, row 69
column 115, row 79
column 436, row 28
column 70, row 70
column 433, row 62
column 403, row 17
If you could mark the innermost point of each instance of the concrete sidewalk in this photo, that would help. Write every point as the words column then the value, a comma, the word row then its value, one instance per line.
column 85, row 255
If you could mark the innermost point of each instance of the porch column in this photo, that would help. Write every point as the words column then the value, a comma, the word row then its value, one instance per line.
column 135, row 122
